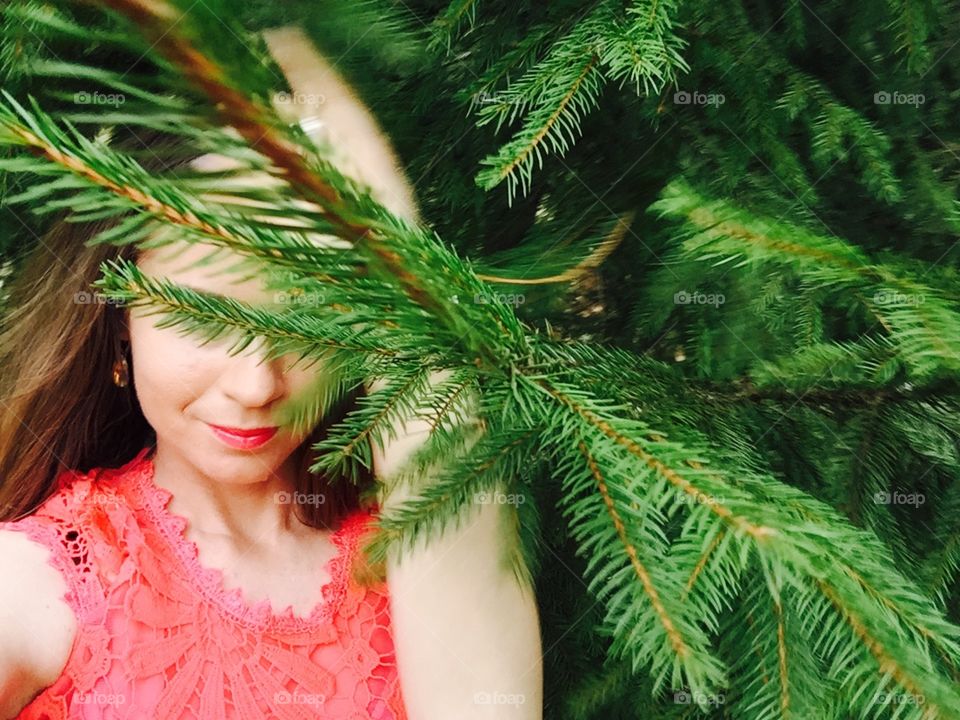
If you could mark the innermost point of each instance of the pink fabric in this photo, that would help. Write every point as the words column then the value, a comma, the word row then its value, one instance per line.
column 159, row 637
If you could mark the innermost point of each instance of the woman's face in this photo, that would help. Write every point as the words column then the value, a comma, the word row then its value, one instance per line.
column 184, row 387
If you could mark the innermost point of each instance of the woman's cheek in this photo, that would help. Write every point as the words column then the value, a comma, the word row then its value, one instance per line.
column 170, row 369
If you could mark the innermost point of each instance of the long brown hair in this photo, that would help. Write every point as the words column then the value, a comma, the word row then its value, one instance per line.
column 59, row 407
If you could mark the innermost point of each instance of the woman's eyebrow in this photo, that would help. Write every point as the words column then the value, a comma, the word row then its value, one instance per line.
column 227, row 298
column 200, row 290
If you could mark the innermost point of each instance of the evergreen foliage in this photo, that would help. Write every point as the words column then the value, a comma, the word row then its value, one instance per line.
column 689, row 269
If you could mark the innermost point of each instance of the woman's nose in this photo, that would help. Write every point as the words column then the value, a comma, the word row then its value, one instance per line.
column 251, row 378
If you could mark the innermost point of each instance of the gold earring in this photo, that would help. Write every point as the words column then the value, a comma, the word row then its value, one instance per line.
column 121, row 373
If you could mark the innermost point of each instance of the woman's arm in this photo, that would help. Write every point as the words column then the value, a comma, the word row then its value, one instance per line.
column 467, row 633
column 37, row 626
column 360, row 147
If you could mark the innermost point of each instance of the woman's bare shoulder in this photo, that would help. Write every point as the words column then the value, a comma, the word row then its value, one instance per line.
column 37, row 626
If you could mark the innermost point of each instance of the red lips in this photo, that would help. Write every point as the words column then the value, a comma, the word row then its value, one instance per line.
column 243, row 438
column 252, row 432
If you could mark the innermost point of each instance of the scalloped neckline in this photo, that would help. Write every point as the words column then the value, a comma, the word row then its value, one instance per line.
column 211, row 583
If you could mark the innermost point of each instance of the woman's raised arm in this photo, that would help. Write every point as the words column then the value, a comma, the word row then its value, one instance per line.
column 467, row 633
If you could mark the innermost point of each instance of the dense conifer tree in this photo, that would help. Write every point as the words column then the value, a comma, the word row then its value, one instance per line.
column 696, row 263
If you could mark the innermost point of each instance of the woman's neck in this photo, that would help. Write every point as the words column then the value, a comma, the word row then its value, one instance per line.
column 258, row 512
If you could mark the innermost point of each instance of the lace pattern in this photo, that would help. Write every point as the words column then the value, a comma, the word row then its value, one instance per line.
column 159, row 636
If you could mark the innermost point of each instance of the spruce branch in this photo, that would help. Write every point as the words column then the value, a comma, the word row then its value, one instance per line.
column 922, row 323
column 596, row 257
column 564, row 86
column 682, row 538
column 262, row 130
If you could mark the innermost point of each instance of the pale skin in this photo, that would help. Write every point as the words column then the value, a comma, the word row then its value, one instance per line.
column 466, row 632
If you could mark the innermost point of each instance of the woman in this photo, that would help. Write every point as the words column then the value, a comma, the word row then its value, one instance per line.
column 165, row 556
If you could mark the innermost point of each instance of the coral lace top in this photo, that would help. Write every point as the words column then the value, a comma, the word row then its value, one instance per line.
column 159, row 636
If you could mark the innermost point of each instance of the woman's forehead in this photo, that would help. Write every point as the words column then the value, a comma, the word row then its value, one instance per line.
column 213, row 268
column 208, row 268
